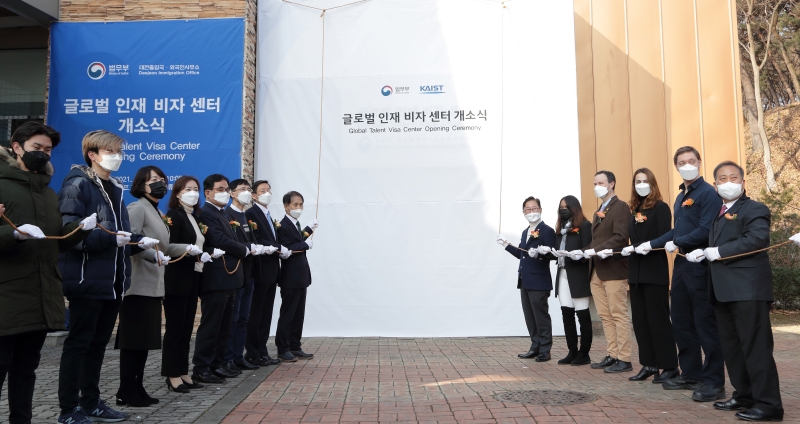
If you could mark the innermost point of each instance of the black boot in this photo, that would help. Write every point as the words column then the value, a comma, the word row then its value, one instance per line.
column 571, row 333
column 585, row 321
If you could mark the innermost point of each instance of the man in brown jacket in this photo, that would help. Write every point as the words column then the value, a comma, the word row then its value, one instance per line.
column 609, row 281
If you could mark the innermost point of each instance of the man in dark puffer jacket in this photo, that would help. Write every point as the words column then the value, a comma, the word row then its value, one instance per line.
column 96, row 273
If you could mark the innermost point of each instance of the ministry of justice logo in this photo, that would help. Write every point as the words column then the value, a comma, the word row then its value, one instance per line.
column 386, row 90
column 96, row 70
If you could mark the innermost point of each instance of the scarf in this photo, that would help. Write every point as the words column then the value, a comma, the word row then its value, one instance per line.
column 564, row 232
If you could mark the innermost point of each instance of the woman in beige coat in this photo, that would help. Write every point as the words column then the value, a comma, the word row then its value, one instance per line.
column 140, row 314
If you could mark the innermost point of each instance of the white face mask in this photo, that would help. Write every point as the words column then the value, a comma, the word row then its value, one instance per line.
column 245, row 197
column 265, row 198
column 729, row 190
column 533, row 217
column 111, row 163
column 295, row 213
column 642, row 189
column 689, row 172
column 190, row 198
column 600, row 191
column 222, row 197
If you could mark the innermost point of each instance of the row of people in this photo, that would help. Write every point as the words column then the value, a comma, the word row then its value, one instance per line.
column 111, row 261
column 715, row 309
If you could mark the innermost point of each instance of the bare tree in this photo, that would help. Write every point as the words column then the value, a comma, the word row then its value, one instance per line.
column 789, row 65
column 750, row 107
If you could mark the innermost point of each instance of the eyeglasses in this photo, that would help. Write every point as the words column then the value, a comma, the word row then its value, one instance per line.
column 222, row 190
column 530, row 210
column 245, row 189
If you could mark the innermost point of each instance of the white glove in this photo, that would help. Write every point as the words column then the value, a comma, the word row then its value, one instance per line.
column 644, row 248
column 576, row 255
column 502, row 240
column 695, row 256
column 560, row 253
column 33, row 232
column 310, row 244
column 313, row 225
column 589, row 253
column 147, row 242
column 255, row 250
column 285, row 251
column 286, row 255
column 160, row 259
column 533, row 252
column 89, row 223
column 543, row 250
column 205, row 257
column 603, row 254
column 246, row 252
column 712, row 254
column 268, row 250
column 217, row 253
column 670, row 247
column 627, row 251
column 123, row 238
column 193, row 250
column 796, row 239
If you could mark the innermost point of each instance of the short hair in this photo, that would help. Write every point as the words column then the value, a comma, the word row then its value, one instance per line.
column 142, row 176
column 538, row 202
column 685, row 149
column 237, row 182
column 177, row 187
column 97, row 140
column 208, row 183
column 609, row 175
column 30, row 129
column 729, row 163
column 287, row 198
column 258, row 183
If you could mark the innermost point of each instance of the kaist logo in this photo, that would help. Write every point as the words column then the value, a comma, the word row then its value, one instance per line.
column 386, row 90
column 431, row 89
column 96, row 70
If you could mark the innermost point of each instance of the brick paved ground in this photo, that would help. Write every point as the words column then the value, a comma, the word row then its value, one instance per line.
column 454, row 379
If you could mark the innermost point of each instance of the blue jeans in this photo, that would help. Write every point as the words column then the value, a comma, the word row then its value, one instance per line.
column 241, row 314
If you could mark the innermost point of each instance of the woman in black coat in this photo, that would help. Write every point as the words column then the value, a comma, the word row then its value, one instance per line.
column 181, row 282
column 573, row 232
column 648, row 276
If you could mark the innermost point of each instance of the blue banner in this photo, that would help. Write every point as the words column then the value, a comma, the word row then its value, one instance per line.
column 171, row 89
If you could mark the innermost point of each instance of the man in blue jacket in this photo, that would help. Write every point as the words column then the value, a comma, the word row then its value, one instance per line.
column 95, row 274
column 534, row 281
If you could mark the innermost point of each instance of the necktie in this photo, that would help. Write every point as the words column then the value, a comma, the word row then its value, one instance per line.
column 298, row 227
column 722, row 210
column 271, row 225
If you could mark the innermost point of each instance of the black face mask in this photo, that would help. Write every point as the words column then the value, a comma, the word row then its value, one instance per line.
column 158, row 189
column 36, row 160
column 565, row 214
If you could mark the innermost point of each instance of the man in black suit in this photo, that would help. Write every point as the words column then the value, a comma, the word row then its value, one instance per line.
column 221, row 279
column 265, row 276
column 294, row 279
column 741, row 291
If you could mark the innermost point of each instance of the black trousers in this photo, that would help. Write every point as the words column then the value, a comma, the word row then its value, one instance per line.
column 260, row 320
column 91, row 322
column 747, row 344
column 131, row 372
column 652, row 326
column 214, row 330
column 290, row 323
column 19, row 358
column 695, row 325
column 537, row 318
column 179, row 313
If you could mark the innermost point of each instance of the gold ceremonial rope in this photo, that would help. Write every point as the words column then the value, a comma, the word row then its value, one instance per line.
column 774, row 246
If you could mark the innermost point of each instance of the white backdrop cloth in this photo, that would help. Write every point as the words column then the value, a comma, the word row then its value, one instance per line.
column 409, row 213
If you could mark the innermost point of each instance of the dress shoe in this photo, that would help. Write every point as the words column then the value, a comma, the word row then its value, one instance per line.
column 131, row 398
column 606, row 362
column 222, row 373
column 569, row 358
column 302, row 355
column 582, row 359
column 644, row 374
column 680, row 383
column 207, row 377
column 245, row 365
column 193, row 385
column 733, row 404
column 232, row 369
column 255, row 361
column 619, row 366
column 180, row 389
column 709, row 393
column 756, row 414
column 287, row 357
column 666, row 375
column 530, row 354
column 270, row 361
column 543, row 357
